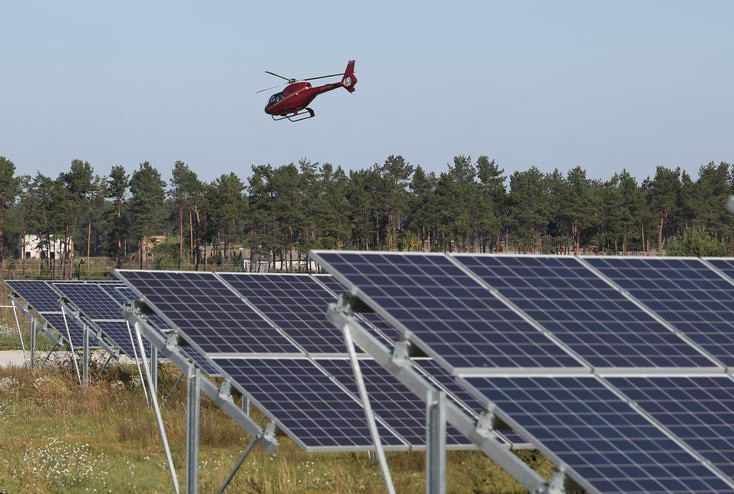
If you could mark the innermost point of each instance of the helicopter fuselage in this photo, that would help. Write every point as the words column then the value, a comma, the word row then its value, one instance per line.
column 296, row 97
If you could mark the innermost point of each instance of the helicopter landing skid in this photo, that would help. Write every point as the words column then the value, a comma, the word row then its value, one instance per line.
column 306, row 111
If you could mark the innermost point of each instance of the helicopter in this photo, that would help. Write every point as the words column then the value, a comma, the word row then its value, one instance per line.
column 292, row 102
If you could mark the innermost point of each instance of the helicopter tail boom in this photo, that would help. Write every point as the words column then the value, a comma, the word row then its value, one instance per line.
column 349, row 80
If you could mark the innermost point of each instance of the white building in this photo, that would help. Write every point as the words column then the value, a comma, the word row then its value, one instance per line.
column 31, row 247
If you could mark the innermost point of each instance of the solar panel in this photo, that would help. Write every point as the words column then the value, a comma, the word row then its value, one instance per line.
column 448, row 314
column 684, row 292
column 118, row 332
column 208, row 312
column 39, row 294
column 602, row 439
column 296, row 303
column 308, row 405
column 390, row 400
column 91, row 299
column 583, row 311
column 698, row 410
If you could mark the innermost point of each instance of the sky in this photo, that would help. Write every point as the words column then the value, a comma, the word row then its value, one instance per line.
column 602, row 85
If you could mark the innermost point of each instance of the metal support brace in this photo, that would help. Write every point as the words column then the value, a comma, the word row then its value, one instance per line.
column 341, row 316
column 34, row 336
column 269, row 431
column 435, row 442
column 154, row 369
column 193, row 429
column 137, row 363
column 245, row 405
column 85, row 356
column 20, row 333
column 71, row 345
column 379, row 451
column 158, row 416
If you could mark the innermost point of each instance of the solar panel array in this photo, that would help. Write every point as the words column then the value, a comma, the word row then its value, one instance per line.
column 613, row 316
column 294, row 307
column 41, row 297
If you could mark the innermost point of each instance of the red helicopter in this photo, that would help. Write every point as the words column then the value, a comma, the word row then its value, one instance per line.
column 293, row 101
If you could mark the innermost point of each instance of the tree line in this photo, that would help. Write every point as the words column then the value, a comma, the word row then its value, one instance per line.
column 280, row 212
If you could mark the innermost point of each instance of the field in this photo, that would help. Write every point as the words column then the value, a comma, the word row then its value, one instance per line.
column 58, row 437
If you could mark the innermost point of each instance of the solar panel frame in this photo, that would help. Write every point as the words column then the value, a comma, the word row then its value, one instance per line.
column 263, row 399
column 722, row 265
column 590, row 317
column 551, row 403
column 477, row 300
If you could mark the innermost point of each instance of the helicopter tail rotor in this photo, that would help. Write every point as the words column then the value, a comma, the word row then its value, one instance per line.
column 349, row 80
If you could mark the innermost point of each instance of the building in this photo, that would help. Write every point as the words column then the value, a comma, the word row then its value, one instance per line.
column 34, row 247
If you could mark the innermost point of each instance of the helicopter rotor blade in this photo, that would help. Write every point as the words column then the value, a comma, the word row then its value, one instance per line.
column 277, row 75
column 324, row 76
column 269, row 88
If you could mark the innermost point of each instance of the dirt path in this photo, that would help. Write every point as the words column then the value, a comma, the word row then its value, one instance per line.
column 12, row 358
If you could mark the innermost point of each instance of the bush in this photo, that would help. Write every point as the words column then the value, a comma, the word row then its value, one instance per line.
column 699, row 243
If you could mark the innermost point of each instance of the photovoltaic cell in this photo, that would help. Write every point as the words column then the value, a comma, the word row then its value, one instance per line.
column 296, row 304
column 310, row 406
column 447, row 312
column 583, row 311
column 118, row 332
column 685, row 292
column 698, row 410
column 208, row 312
column 390, row 400
column 599, row 436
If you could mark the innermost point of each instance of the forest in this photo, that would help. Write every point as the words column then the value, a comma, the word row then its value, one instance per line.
column 280, row 212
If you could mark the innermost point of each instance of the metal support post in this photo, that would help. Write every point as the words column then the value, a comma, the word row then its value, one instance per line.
column 158, row 416
column 245, row 404
column 435, row 442
column 154, row 369
column 20, row 333
column 380, row 453
column 85, row 356
column 34, row 335
column 193, row 425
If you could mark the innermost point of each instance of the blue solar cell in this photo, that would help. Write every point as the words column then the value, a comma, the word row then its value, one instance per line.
column 296, row 303
column 390, row 400
column 698, row 410
column 583, row 311
column 308, row 405
column 447, row 313
column 600, row 437
column 685, row 292
column 208, row 312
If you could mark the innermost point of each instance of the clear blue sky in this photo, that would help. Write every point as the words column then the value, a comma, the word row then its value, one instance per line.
column 604, row 85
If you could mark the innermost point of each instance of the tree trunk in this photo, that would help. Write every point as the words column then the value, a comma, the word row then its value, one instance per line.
column 181, row 236
column 89, row 236
column 191, row 237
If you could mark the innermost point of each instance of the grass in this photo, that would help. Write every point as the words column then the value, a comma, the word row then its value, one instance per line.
column 58, row 437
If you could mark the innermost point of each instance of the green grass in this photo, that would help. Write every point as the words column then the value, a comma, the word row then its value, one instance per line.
column 58, row 437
